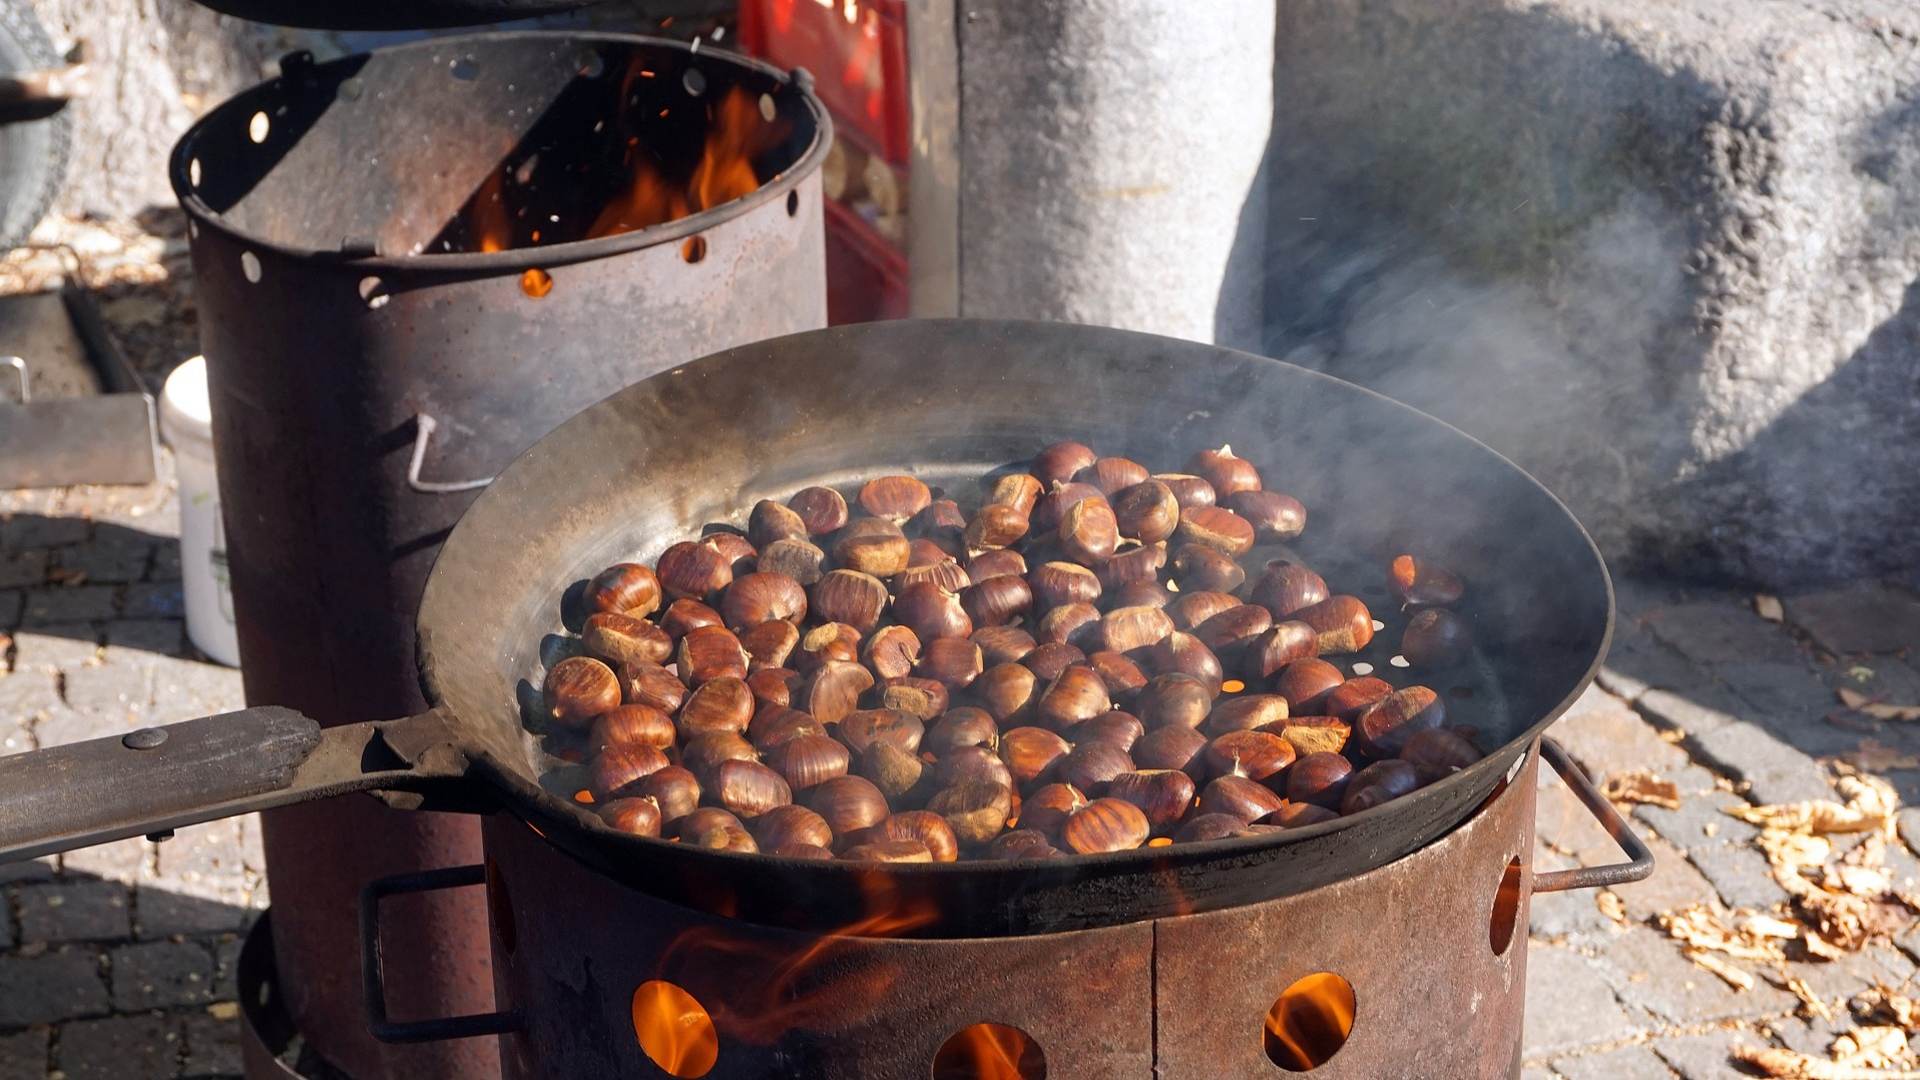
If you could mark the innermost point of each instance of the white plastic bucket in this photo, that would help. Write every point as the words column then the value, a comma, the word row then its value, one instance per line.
column 186, row 422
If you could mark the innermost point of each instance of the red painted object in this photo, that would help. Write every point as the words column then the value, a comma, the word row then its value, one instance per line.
column 857, row 52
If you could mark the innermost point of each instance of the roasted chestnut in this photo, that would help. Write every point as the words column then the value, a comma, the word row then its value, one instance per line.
column 976, row 810
column 1003, row 644
column 769, row 645
column 1140, row 594
column 1105, row 825
column 1115, row 728
column 1191, row 609
column 987, row 565
column 873, row 546
column 1088, row 532
column 1273, row 515
column 995, row 526
column 1163, row 795
column 685, row 615
column 807, row 760
column 1047, row 809
column 1174, row 699
column 1215, row 527
column 1061, row 461
column 849, row 596
column 769, row 521
column 692, row 571
column 1436, row 753
column 923, row 699
column 623, row 639
column 847, row 803
column 1058, row 584
column 716, row 829
column 894, row 498
column 578, row 689
column 1382, row 781
column 1005, row 691
column 1215, row 826
column 674, row 790
column 931, row 612
column 1016, row 490
column 1200, row 568
column 1231, row 632
column 1113, row 474
column 722, row 704
column 1419, row 581
column 1319, row 778
column 1435, row 638
column 1147, row 511
column 613, row 770
column 1306, row 683
column 1341, row 624
column 821, row 509
column 971, row 763
column 1351, row 698
column 1172, row 747
column 627, row 725
column 1049, row 660
column 862, row 727
column 997, row 600
column 1122, row 676
column 1299, row 815
column 922, row 827
column 1245, row 712
column 1127, row 629
column 1383, row 728
column 828, row 641
column 651, row 684
column 834, row 689
column 1075, row 624
column 1182, row 653
column 1021, row 844
column 940, row 519
column 624, row 589
column 790, row 824
column 1090, row 766
column 953, row 662
column 1076, row 694
column 773, row 725
column 948, row 575
column 1225, row 471
column 1256, row 755
column 635, row 817
column 1284, row 588
column 1247, row 800
column 703, row 754
column 1282, row 644
column 1133, row 564
column 1188, row 489
column 1313, row 734
column 710, row 652
column 757, row 597
column 748, row 788
column 797, row 559
column 964, row 726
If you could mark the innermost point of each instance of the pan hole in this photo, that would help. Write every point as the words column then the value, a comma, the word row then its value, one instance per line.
column 674, row 1029
column 536, row 282
column 258, row 126
column 250, row 266
column 1310, row 1021
column 1378, row 626
column 591, row 64
column 768, row 110
column 694, row 249
column 1400, row 661
column 793, row 203
column 1506, row 908
column 693, row 82
column 193, row 172
column 500, row 910
column 1361, row 667
column 373, row 291
column 466, row 69
column 990, row 1052
column 1232, row 686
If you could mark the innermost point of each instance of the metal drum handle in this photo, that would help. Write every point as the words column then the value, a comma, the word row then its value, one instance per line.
column 1593, row 877
column 423, row 428
column 372, row 974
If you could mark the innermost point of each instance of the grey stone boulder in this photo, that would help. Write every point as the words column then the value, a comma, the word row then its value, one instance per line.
column 1665, row 256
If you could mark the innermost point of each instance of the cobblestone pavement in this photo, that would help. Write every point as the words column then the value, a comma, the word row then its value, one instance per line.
column 115, row 961
column 118, row 961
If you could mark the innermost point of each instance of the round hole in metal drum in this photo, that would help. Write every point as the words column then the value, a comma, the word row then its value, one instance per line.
column 768, row 110
column 674, row 1030
column 1506, row 908
column 990, row 1052
column 1400, row 661
column 193, row 172
column 693, row 82
column 500, row 910
column 694, row 249
column 536, row 282
column 258, row 126
column 466, row 69
column 250, row 266
column 793, row 203
column 591, row 65
column 373, row 291
column 1310, row 1021
column 1361, row 667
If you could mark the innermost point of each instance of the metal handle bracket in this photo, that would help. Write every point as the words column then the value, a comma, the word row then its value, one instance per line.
column 372, row 974
column 423, row 429
column 1593, row 877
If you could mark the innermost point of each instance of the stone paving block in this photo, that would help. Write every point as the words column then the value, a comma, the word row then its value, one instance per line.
column 1862, row 618
column 19, row 532
column 1775, row 771
column 1535, row 1072
column 1646, row 971
column 1740, row 875
column 1883, row 678
column 1569, row 1004
column 131, row 639
column 166, row 562
column 1702, row 1057
column 1570, row 916
column 23, row 1055
column 1626, row 1063
column 57, row 985
column 73, row 911
column 1838, row 980
column 1792, row 691
column 161, row 974
column 1700, row 821
column 1638, row 662
column 1720, row 631
column 1562, row 823
column 1605, row 735
column 128, row 860
column 154, row 600
column 27, row 693
column 226, row 955
column 41, row 869
column 185, row 689
column 108, row 559
column 1700, row 710
column 68, row 604
column 213, row 1047
column 119, row 692
column 57, row 647
column 162, row 912
column 207, row 861
column 119, row 1048
column 12, row 603
column 22, row 569
column 64, row 725
column 1674, row 884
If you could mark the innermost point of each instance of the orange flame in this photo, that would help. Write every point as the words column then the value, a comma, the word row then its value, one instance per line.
column 804, row 984
column 674, row 1030
column 1310, row 1021
column 487, row 215
column 989, row 1052
column 736, row 134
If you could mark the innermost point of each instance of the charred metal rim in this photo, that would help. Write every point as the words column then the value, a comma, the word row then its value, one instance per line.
column 1481, row 778
column 483, row 263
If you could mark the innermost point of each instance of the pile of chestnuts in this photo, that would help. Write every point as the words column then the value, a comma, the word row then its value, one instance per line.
column 1081, row 665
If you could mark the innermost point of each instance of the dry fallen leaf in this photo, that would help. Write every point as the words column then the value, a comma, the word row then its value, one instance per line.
column 1860, row 1054
column 1732, row 976
column 1872, row 755
column 1859, row 702
column 1641, row 786
column 1815, row 1007
column 1701, row 929
column 1611, row 905
column 1768, row 607
column 1886, row 1003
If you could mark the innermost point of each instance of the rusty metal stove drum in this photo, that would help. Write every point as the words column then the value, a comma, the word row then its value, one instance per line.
column 948, row 400
column 367, row 382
